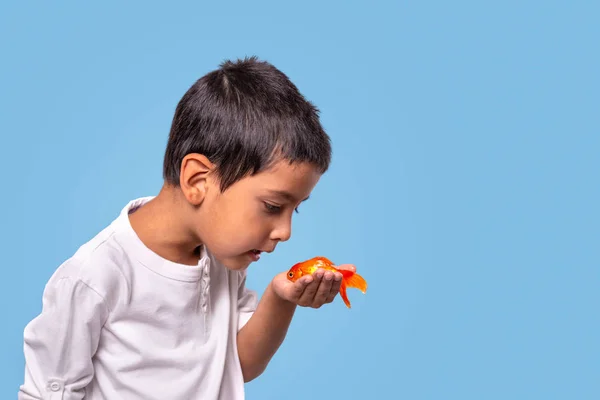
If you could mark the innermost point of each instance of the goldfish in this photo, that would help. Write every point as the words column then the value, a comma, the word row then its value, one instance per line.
column 349, row 278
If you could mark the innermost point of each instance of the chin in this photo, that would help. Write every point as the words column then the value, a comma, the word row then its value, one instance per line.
column 235, row 264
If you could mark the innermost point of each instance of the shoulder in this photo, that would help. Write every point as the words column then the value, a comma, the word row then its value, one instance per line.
column 97, row 265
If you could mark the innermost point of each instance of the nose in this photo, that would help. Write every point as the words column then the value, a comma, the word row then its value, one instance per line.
column 282, row 231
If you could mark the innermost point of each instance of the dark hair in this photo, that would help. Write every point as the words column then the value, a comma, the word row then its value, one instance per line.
column 243, row 117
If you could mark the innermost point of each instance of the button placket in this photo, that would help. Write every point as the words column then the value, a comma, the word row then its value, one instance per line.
column 205, row 290
column 205, row 294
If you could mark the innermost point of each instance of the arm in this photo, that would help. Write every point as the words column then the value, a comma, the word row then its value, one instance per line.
column 264, row 332
column 60, row 342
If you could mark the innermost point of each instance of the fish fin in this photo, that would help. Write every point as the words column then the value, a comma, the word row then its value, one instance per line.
column 343, row 293
column 354, row 280
column 324, row 260
column 345, row 273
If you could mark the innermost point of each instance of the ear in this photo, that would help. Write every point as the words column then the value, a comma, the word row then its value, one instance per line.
column 193, row 177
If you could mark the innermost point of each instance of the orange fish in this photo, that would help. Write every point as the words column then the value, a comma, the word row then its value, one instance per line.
column 349, row 278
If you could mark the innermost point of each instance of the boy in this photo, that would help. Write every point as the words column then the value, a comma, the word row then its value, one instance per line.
column 155, row 306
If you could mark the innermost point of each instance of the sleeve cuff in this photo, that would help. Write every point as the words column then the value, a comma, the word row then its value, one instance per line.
column 243, row 318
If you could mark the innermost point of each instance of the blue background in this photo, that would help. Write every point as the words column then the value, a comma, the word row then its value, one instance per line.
column 464, row 184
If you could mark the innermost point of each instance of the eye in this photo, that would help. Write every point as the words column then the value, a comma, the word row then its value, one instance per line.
column 291, row 274
column 272, row 208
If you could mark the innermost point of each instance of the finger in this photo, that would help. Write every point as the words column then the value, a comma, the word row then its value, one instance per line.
column 335, row 287
column 308, row 295
column 300, row 286
column 323, row 290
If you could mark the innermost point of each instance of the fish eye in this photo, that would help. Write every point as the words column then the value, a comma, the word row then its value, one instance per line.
column 291, row 274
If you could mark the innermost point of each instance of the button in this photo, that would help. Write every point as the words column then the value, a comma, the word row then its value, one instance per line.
column 55, row 386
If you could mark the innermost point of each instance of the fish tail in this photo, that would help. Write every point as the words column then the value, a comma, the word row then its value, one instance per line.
column 354, row 280
column 343, row 293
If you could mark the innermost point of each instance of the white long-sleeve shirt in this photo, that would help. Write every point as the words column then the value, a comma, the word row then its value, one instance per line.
column 120, row 322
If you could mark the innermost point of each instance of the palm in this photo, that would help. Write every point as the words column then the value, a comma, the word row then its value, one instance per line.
column 284, row 287
column 312, row 290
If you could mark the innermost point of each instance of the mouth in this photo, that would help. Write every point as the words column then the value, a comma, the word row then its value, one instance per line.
column 255, row 254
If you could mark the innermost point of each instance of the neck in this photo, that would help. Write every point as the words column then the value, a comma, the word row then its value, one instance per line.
column 162, row 226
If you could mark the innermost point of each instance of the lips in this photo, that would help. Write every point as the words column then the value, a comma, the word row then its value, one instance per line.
column 258, row 251
column 254, row 254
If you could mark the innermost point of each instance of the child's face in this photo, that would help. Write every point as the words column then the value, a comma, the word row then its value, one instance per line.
column 252, row 214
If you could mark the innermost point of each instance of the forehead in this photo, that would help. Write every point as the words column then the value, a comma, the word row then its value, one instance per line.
column 291, row 182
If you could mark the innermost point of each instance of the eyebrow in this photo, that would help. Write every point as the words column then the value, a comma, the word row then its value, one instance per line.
column 286, row 195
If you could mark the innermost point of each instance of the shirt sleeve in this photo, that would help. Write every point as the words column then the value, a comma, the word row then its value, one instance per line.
column 247, row 301
column 60, row 342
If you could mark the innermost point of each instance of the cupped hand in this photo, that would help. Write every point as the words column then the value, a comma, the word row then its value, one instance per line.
column 311, row 290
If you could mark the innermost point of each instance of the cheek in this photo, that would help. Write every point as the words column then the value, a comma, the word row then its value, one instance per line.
column 236, row 226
